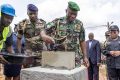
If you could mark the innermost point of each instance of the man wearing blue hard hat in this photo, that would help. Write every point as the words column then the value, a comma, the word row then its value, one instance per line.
column 7, row 15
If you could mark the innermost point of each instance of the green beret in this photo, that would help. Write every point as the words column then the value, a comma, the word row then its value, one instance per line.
column 73, row 6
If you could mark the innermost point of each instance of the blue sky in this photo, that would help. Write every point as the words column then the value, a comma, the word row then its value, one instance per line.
column 92, row 12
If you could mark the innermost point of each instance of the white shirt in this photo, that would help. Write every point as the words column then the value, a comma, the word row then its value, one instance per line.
column 90, row 43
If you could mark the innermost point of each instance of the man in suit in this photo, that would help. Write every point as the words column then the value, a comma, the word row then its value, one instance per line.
column 94, row 56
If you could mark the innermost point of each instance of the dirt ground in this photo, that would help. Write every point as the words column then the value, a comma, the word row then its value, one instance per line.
column 102, row 72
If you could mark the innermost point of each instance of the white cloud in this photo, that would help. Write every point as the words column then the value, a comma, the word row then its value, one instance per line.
column 52, row 9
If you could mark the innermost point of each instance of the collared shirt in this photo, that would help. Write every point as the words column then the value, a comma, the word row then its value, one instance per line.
column 90, row 43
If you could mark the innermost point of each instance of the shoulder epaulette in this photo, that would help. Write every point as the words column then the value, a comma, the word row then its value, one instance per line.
column 42, row 20
column 55, row 20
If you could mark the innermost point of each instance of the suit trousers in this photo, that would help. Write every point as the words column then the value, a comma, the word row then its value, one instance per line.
column 93, row 71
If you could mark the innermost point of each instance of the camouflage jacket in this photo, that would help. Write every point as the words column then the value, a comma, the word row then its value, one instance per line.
column 68, row 35
column 31, row 32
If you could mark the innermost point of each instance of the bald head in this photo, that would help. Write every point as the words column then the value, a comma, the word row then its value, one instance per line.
column 91, row 36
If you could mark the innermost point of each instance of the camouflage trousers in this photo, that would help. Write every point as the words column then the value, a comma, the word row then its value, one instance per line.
column 37, row 61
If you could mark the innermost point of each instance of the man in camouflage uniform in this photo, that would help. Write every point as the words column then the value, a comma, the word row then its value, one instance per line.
column 68, row 32
column 33, row 31
column 103, row 57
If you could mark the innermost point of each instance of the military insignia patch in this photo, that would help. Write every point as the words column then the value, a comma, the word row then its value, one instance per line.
column 77, row 27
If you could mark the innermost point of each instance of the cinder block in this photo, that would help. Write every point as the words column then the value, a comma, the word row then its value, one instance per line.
column 39, row 73
column 58, row 59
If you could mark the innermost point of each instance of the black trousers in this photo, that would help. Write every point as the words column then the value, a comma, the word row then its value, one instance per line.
column 93, row 71
column 113, row 73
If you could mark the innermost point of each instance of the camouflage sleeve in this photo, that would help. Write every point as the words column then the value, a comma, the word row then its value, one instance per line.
column 50, row 27
column 43, row 29
column 20, row 27
column 105, row 50
column 82, row 33
column 42, row 25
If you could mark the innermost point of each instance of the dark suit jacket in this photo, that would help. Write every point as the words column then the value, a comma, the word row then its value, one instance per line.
column 94, row 53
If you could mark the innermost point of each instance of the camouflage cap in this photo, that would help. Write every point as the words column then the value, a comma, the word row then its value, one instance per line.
column 73, row 6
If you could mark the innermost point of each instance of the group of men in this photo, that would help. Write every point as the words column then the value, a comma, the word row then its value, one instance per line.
column 65, row 34
column 34, row 31
column 111, row 54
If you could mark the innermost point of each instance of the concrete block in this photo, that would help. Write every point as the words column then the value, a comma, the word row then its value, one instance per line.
column 39, row 73
column 58, row 59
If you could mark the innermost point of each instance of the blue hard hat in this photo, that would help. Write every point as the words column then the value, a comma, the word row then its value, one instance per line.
column 8, row 9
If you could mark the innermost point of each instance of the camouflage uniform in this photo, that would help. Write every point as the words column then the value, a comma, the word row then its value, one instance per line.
column 31, row 32
column 71, row 34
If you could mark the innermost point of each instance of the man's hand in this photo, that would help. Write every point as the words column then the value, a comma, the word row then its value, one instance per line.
column 2, row 60
column 112, row 53
column 85, row 61
column 115, row 53
column 46, row 38
column 98, row 64
column 103, row 58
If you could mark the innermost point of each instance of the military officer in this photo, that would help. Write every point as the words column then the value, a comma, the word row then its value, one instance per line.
column 112, row 52
column 68, row 32
column 103, row 57
column 33, row 31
